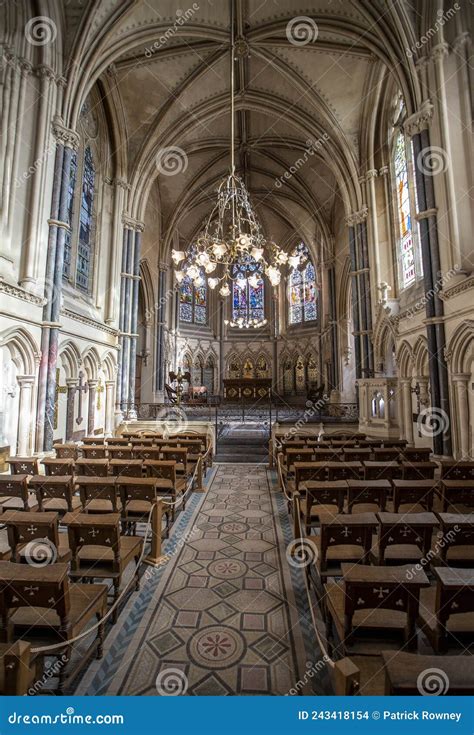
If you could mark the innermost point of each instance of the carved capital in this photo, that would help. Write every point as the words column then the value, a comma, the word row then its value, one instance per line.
column 372, row 173
column 63, row 135
column 420, row 120
column 440, row 51
column 356, row 218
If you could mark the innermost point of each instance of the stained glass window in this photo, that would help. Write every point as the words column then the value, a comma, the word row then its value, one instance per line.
column 302, row 298
column 70, row 205
column 407, row 250
column 84, row 253
column 192, row 302
column 248, row 302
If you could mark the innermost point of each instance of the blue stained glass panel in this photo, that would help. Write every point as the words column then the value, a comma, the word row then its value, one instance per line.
column 200, row 314
column 192, row 302
column 302, row 294
column 407, row 252
column 185, row 312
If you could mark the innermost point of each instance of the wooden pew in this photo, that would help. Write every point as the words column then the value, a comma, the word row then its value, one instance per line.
column 457, row 494
column 404, row 538
column 418, row 470
column 15, row 495
column 97, row 440
column 417, row 454
column 324, row 500
column 23, row 465
column 357, row 454
column 98, row 494
column 92, row 467
column 344, row 470
column 65, row 451
column 34, row 537
column 456, row 546
column 453, row 469
column 413, row 496
column 126, row 467
column 447, row 610
column 382, row 601
column 116, row 441
column 143, row 451
column 40, row 602
column 62, row 466
column 305, row 471
column 94, row 451
column 99, row 551
column 119, row 451
column 371, row 494
column 55, row 493
column 382, row 470
column 343, row 539
column 386, row 454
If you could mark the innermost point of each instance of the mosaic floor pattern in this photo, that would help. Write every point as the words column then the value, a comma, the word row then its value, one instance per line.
column 225, row 616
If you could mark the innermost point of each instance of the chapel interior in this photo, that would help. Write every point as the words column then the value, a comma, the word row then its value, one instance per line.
column 236, row 347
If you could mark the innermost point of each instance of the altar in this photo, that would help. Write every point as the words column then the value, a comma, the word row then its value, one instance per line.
column 247, row 389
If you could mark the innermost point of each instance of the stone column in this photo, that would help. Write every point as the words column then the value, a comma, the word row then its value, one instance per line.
column 132, row 412
column 25, row 415
column 407, row 412
column 109, row 407
column 92, row 384
column 126, row 299
column 361, row 299
column 71, row 384
column 416, row 127
column 461, row 381
column 67, row 141
column 161, row 317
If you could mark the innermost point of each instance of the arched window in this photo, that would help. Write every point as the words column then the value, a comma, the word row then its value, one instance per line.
column 192, row 302
column 248, row 294
column 405, row 235
column 302, row 302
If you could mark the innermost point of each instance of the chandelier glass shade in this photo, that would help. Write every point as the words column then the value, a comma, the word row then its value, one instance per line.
column 232, row 248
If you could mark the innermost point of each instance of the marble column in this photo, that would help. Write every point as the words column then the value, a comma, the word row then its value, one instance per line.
column 161, row 316
column 416, row 127
column 25, row 415
column 67, row 141
column 92, row 384
column 135, row 285
column 460, row 382
column 407, row 412
column 109, row 407
column 361, row 298
column 126, row 321
column 71, row 384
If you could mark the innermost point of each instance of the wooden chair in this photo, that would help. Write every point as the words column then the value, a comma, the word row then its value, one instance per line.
column 404, row 538
column 343, row 539
column 17, row 670
column 399, row 444
column 457, row 494
column 413, row 496
column 119, row 451
column 357, row 454
column 141, row 442
column 65, row 451
column 126, row 467
column 382, row 470
column 138, row 495
column 417, row 454
column 15, row 495
column 328, row 454
column 165, row 472
column 55, row 493
column 178, row 455
column 41, row 606
column 97, row 440
column 23, row 465
column 53, row 466
column 453, row 469
column 447, row 609
column 298, row 454
column 307, row 471
column 378, row 601
column 404, row 673
column 418, row 470
column 370, row 494
column 115, row 441
column 145, row 451
column 386, row 454
column 344, row 470
column 34, row 538
column 92, row 467
column 99, row 551
column 98, row 494
column 456, row 543
column 94, row 451
column 324, row 500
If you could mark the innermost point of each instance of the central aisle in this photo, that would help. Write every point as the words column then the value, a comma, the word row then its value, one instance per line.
column 223, row 617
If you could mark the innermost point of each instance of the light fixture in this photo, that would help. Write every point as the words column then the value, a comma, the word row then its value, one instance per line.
column 232, row 244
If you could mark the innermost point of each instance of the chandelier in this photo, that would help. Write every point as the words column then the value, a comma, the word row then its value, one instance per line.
column 232, row 249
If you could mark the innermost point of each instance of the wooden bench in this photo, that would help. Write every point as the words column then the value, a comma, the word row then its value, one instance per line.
column 66, row 451
column 143, row 451
column 41, row 606
column 375, row 600
column 456, row 545
column 386, row 454
column 344, row 470
column 116, row 441
column 138, row 495
column 382, row 470
column 178, row 455
column 371, row 494
column 92, row 467
column 323, row 500
column 23, row 465
column 94, row 451
column 457, row 494
column 417, row 454
column 34, row 538
column 404, row 538
column 344, row 538
column 15, row 495
column 447, row 609
column 452, row 469
column 98, row 494
column 99, row 551
column 126, row 467
column 418, row 470
column 357, row 454
column 55, row 493
column 63, row 466
column 119, row 451
column 413, row 496
column 97, row 440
